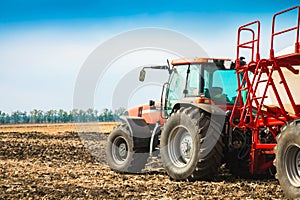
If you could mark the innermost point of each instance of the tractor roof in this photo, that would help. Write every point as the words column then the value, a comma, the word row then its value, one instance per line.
column 186, row 61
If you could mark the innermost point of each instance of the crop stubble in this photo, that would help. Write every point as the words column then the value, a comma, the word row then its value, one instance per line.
column 67, row 161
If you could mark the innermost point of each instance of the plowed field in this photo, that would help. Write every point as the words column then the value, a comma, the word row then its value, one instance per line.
column 67, row 161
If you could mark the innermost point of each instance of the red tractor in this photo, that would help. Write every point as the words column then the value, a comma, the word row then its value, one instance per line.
column 244, row 115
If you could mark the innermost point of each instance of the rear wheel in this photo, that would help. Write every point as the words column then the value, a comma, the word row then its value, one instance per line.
column 287, row 160
column 120, row 153
column 191, row 145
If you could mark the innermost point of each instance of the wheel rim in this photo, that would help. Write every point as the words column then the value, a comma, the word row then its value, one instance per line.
column 180, row 146
column 292, row 162
column 119, row 149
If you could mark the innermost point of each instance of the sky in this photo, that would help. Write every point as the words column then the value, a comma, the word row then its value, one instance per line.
column 45, row 43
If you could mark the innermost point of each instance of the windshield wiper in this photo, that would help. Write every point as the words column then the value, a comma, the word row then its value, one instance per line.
column 185, row 91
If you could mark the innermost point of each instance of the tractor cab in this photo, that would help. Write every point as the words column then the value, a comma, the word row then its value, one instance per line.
column 201, row 80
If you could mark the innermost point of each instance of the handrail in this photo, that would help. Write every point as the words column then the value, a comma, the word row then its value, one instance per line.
column 255, row 39
column 285, row 30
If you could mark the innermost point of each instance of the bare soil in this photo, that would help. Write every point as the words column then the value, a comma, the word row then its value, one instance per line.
column 67, row 161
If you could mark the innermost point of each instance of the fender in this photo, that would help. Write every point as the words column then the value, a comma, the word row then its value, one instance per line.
column 139, row 131
column 209, row 108
column 217, row 114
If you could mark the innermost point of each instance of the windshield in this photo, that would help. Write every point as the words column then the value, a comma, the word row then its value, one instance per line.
column 196, row 79
column 184, row 82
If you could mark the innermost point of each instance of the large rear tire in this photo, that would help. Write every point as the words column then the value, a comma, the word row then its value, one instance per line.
column 191, row 145
column 120, row 153
column 287, row 160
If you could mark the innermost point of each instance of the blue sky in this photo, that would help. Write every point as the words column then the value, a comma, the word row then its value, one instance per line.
column 39, row 10
column 43, row 43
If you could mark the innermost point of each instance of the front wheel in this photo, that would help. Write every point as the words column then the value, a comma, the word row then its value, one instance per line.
column 120, row 153
column 287, row 159
column 191, row 145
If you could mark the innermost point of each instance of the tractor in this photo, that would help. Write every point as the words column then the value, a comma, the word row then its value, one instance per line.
column 214, row 111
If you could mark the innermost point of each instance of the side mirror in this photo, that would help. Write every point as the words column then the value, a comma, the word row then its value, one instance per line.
column 142, row 75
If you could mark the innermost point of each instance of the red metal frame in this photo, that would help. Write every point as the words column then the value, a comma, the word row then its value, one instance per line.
column 251, row 44
column 295, row 28
column 251, row 113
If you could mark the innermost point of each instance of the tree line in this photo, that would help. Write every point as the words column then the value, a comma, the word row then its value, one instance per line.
column 61, row 116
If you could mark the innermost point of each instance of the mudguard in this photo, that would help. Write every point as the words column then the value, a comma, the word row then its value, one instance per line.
column 212, row 109
column 217, row 114
column 139, row 131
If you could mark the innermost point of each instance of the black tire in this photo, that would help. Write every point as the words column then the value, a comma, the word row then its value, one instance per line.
column 191, row 145
column 287, row 159
column 120, row 153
